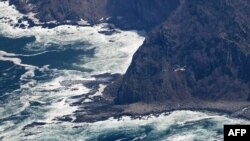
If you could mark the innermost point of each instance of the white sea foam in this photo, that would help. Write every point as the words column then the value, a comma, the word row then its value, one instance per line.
column 87, row 101
column 4, row 56
column 58, row 92
column 160, row 121
column 127, row 125
column 99, row 92
column 113, row 53
column 16, row 108
column 182, row 137
column 59, row 109
column 163, row 122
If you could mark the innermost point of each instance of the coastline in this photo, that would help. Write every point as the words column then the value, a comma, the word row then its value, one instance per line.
column 215, row 111
column 103, row 108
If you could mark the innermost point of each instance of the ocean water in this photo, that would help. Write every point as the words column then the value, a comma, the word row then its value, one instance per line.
column 43, row 72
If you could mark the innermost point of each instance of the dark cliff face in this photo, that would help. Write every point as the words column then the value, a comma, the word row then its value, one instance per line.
column 139, row 14
column 200, row 49
column 201, row 52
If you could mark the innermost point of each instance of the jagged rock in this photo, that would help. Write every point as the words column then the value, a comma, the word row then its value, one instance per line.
column 201, row 52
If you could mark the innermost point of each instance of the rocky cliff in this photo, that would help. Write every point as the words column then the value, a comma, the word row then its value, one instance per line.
column 139, row 14
column 201, row 52
column 197, row 49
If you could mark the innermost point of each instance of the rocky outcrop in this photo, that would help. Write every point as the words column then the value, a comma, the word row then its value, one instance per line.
column 139, row 14
column 201, row 52
column 197, row 49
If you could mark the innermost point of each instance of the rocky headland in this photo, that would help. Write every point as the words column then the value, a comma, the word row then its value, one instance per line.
column 196, row 55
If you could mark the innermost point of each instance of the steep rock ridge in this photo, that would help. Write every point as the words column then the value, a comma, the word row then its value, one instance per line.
column 139, row 14
column 201, row 52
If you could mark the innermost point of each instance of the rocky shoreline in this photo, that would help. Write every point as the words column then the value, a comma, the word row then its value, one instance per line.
column 103, row 107
column 207, row 70
column 237, row 109
column 138, row 110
